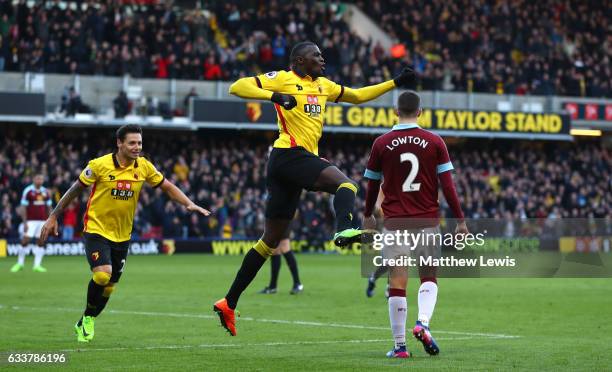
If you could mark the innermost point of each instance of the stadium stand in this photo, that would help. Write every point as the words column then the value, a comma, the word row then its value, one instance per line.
column 157, row 41
column 495, row 179
column 544, row 48
column 520, row 47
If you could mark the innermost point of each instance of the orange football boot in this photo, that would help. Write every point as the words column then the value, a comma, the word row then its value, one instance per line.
column 226, row 315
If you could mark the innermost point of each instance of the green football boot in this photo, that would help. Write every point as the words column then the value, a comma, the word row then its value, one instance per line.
column 88, row 327
column 349, row 236
column 78, row 329
column 16, row 268
column 39, row 269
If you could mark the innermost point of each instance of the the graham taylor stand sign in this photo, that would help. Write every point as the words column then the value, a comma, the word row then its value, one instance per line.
column 378, row 119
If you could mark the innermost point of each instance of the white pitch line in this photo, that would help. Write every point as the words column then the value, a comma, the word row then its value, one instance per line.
column 293, row 343
column 261, row 320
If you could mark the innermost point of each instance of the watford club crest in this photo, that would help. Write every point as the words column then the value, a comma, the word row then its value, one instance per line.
column 253, row 111
column 95, row 256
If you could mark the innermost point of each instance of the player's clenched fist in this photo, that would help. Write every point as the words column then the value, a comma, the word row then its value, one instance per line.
column 49, row 227
column 405, row 78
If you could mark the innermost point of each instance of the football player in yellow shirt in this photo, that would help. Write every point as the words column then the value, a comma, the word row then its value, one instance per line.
column 299, row 96
column 117, row 179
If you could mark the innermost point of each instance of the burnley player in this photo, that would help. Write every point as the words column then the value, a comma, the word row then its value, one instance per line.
column 116, row 180
column 35, row 205
column 413, row 163
column 300, row 97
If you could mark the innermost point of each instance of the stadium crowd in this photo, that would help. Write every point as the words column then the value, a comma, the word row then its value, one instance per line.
column 512, row 46
column 225, row 173
column 522, row 47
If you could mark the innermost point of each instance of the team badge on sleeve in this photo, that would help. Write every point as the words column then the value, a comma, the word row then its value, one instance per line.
column 88, row 172
column 271, row 74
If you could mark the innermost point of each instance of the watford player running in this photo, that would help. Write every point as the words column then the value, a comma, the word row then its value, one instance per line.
column 413, row 163
column 117, row 179
column 299, row 97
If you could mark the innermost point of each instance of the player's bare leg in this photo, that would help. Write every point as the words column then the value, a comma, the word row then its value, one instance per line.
column 274, row 231
column 428, row 294
column 398, row 310
column 333, row 181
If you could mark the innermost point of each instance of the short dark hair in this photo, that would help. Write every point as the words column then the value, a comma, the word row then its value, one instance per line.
column 128, row 128
column 299, row 49
column 408, row 103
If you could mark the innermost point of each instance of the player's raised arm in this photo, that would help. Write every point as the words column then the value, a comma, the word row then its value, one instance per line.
column 371, row 92
column 155, row 179
column 178, row 196
column 252, row 88
column 50, row 225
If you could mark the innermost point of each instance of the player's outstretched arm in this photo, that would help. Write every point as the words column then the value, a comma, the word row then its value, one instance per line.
column 249, row 89
column 50, row 225
column 178, row 196
column 371, row 92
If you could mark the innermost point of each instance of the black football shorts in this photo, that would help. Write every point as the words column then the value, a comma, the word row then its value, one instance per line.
column 101, row 251
column 289, row 171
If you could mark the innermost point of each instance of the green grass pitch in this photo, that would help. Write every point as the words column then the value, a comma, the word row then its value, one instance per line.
column 160, row 318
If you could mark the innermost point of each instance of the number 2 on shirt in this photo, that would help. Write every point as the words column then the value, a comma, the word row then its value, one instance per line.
column 408, row 185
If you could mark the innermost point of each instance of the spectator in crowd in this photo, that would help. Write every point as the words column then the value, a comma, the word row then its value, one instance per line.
column 545, row 47
column 212, row 69
column 187, row 101
column 72, row 103
column 121, row 105
column 71, row 215
column 507, row 181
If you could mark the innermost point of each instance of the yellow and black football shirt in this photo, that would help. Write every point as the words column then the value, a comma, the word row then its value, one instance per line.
column 303, row 125
column 114, row 195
